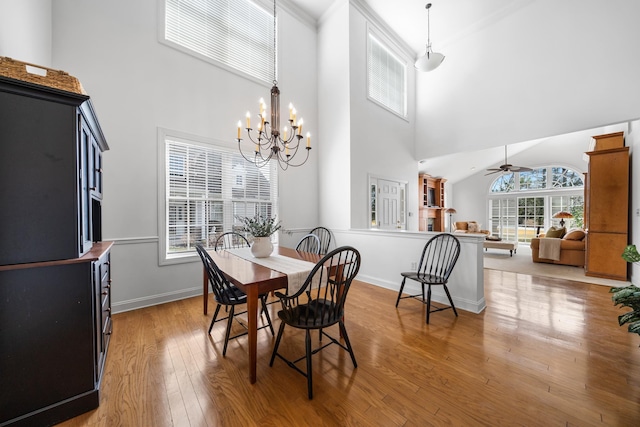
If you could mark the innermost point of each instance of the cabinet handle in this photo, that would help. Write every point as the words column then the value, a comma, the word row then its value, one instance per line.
column 109, row 282
column 92, row 188
column 105, row 293
column 107, row 263
column 108, row 286
column 108, row 309
column 108, row 333
column 99, row 170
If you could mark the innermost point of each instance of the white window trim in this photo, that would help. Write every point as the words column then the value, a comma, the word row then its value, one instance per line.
column 395, row 51
column 161, row 29
column 177, row 258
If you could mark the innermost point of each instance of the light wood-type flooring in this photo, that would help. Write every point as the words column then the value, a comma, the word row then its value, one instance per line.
column 545, row 352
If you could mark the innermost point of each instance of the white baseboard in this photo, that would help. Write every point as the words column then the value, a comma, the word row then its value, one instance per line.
column 151, row 300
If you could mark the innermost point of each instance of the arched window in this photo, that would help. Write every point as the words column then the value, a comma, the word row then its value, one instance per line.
column 522, row 204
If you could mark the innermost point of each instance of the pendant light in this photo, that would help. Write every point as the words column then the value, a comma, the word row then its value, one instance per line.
column 430, row 60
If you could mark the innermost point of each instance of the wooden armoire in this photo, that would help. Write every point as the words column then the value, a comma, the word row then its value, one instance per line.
column 607, row 208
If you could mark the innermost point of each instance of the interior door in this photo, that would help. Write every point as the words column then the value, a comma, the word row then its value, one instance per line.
column 389, row 205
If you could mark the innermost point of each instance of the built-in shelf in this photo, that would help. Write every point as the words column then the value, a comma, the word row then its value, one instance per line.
column 431, row 203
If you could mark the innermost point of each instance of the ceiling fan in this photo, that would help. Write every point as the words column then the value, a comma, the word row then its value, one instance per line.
column 506, row 167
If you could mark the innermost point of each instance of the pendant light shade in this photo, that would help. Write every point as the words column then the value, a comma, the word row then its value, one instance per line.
column 430, row 60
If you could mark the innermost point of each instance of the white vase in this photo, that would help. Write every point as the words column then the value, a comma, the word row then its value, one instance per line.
column 261, row 247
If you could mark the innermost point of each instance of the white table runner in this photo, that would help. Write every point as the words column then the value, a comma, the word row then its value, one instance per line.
column 296, row 270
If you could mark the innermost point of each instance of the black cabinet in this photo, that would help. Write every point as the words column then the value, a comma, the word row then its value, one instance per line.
column 50, row 173
column 55, row 325
column 55, row 271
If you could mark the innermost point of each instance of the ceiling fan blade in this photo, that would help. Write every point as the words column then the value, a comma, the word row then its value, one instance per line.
column 521, row 169
column 492, row 171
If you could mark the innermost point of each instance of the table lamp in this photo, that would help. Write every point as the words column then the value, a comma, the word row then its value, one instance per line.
column 450, row 211
column 562, row 215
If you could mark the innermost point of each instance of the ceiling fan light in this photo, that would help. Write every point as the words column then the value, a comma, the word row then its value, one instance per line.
column 429, row 61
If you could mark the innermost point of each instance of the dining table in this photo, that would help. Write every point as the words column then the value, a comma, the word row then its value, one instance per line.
column 254, row 280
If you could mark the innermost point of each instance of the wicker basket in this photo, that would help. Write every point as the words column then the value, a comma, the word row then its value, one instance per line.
column 52, row 78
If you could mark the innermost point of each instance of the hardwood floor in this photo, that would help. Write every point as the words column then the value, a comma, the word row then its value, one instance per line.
column 545, row 352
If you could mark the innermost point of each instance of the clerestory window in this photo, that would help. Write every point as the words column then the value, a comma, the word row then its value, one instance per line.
column 386, row 76
column 235, row 34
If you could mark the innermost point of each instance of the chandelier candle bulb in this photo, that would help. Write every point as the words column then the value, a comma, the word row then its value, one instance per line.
column 308, row 140
column 300, row 126
column 284, row 133
column 239, row 128
column 290, row 111
column 248, row 120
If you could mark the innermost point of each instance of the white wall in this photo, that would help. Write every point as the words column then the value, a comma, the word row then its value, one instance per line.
column 137, row 85
column 25, row 30
column 334, row 106
column 548, row 69
column 381, row 142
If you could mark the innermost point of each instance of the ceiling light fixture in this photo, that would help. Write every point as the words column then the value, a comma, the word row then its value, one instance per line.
column 269, row 143
column 430, row 60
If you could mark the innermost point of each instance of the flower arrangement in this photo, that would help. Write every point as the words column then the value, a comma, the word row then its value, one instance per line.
column 259, row 226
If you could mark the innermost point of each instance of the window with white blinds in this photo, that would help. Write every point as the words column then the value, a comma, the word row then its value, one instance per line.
column 206, row 188
column 386, row 77
column 236, row 33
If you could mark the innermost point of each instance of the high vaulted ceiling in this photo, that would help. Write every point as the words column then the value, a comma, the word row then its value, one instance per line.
column 450, row 20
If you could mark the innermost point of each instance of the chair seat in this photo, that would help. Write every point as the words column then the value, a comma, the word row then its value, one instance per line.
column 233, row 295
column 425, row 278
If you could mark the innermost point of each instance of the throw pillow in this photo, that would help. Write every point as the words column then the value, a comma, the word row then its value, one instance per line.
column 556, row 232
column 575, row 234
column 460, row 225
column 474, row 227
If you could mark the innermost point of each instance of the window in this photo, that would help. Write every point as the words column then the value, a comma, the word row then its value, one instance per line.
column 533, row 180
column 235, row 33
column 205, row 188
column 521, row 204
column 386, row 77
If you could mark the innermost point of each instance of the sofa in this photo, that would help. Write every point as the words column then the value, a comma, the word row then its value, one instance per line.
column 572, row 247
column 468, row 227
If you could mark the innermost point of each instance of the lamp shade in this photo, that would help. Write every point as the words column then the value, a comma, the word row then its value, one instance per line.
column 563, row 215
column 429, row 61
column 450, row 211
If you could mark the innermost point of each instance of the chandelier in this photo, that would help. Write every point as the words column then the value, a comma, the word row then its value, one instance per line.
column 267, row 142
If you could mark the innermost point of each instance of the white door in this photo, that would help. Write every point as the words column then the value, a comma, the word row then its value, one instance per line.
column 388, row 204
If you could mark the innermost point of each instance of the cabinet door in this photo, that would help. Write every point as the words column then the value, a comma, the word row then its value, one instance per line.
column 603, row 255
column 609, row 191
column 95, row 170
column 85, row 165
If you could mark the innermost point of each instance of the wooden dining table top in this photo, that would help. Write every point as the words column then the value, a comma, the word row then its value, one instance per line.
column 242, row 272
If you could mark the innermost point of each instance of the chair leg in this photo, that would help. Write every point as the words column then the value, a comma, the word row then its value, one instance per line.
column 400, row 291
column 348, row 343
column 277, row 344
column 266, row 313
column 307, row 341
column 229, row 324
column 450, row 300
column 215, row 315
column 428, row 302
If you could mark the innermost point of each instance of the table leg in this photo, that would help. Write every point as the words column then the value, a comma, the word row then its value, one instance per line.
column 252, row 315
column 205, row 290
